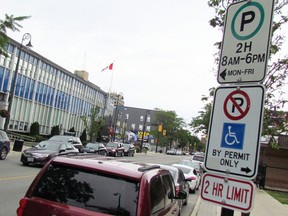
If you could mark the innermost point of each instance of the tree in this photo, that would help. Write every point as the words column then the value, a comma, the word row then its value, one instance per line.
column 11, row 23
column 277, row 69
column 171, row 123
column 200, row 124
column 35, row 129
column 93, row 123
column 55, row 130
column 83, row 136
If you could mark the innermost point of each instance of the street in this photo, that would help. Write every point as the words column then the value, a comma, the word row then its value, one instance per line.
column 16, row 178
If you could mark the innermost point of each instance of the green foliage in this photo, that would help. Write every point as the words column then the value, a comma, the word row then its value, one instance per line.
column 171, row 123
column 55, row 130
column 200, row 124
column 93, row 124
column 72, row 129
column 35, row 129
column 39, row 138
column 83, row 136
column 9, row 23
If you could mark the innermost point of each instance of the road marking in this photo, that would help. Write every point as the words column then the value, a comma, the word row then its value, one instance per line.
column 17, row 177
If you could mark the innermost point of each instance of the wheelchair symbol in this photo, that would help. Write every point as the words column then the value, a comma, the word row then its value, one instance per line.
column 233, row 135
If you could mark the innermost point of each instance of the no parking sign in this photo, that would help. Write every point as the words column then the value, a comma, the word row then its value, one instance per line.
column 235, row 127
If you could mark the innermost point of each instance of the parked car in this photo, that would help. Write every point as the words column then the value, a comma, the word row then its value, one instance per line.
column 115, row 149
column 190, row 174
column 200, row 159
column 195, row 164
column 171, row 152
column 71, row 139
column 41, row 153
column 97, row 148
column 104, row 187
column 129, row 149
column 4, row 145
column 180, row 182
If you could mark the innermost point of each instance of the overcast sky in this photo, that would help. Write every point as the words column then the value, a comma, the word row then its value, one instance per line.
column 162, row 49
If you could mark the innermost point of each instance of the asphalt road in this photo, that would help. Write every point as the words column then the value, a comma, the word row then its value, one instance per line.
column 16, row 178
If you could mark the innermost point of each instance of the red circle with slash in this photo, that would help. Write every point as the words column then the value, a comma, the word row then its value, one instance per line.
column 242, row 112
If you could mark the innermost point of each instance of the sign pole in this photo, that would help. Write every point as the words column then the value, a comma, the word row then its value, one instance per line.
column 226, row 212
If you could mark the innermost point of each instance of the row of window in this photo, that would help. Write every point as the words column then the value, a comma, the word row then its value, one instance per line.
column 49, row 88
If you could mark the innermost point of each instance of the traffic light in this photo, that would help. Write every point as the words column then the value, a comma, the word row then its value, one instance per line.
column 160, row 127
column 164, row 132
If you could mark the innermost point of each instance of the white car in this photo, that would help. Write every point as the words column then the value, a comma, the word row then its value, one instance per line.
column 191, row 175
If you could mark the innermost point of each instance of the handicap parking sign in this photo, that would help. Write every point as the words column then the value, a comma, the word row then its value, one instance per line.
column 233, row 135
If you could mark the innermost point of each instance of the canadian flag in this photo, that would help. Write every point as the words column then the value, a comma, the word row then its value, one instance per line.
column 110, row 67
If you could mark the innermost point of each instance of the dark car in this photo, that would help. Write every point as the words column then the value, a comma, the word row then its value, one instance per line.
column 115, row 149
column 70, row 139
column 97, row 148
column 41, row 153
column 129, row 149
column 4, row 145
column 86, row 187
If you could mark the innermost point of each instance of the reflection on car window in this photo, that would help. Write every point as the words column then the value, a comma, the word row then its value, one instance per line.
column 95, row 191
column 157, row 194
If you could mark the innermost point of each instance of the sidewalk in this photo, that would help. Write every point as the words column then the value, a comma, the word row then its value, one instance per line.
column 264, row 205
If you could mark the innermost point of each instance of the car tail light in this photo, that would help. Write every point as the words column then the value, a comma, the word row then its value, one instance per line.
column 21, row 207
column 192, row 178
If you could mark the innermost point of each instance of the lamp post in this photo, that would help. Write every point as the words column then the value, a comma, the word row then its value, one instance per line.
column 26, row 36
column 143, row 129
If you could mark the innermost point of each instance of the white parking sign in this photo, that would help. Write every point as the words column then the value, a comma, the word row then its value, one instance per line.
column 246, row 42
column 235, row 128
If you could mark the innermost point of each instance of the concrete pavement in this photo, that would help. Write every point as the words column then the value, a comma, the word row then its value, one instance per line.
column 264, row 205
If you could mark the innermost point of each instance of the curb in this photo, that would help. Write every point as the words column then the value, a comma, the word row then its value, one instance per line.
column 197, row 206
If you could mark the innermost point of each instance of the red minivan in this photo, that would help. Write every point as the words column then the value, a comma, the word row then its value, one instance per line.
column 104, row 186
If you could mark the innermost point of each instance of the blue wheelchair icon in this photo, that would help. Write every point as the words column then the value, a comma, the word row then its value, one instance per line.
column 233, row 135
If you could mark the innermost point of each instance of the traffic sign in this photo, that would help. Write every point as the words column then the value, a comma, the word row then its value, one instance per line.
column 246, row 42
column 228, row 192
column 235, row 129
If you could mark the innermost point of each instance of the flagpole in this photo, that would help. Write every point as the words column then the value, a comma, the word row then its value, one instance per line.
column 111, row 78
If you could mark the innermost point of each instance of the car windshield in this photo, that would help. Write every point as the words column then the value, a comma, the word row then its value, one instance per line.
column 126, row 146
column 112, row 145
column 93, row 145
column 96, row 191
column 193, row 164
column 198, row 158
column 61, row 138
column 184, row 169
column 48, row 146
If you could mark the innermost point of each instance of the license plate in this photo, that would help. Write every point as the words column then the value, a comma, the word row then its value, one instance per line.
column 30, row 159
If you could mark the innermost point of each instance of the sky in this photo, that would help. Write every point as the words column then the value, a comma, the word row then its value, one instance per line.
column 162, row 50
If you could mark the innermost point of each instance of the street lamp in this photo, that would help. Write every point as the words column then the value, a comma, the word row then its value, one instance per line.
column 26, row 36
column 143, row 129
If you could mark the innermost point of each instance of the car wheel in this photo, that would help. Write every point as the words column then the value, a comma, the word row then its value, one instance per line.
column 3, row 153
column 105, row 153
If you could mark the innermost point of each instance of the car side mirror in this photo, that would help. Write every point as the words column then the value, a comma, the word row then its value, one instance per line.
column 181, row 195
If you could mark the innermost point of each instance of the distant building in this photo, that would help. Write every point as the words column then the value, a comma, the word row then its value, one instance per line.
column 46, row 93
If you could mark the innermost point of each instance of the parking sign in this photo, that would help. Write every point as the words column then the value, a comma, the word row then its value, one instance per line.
column 235, row 128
